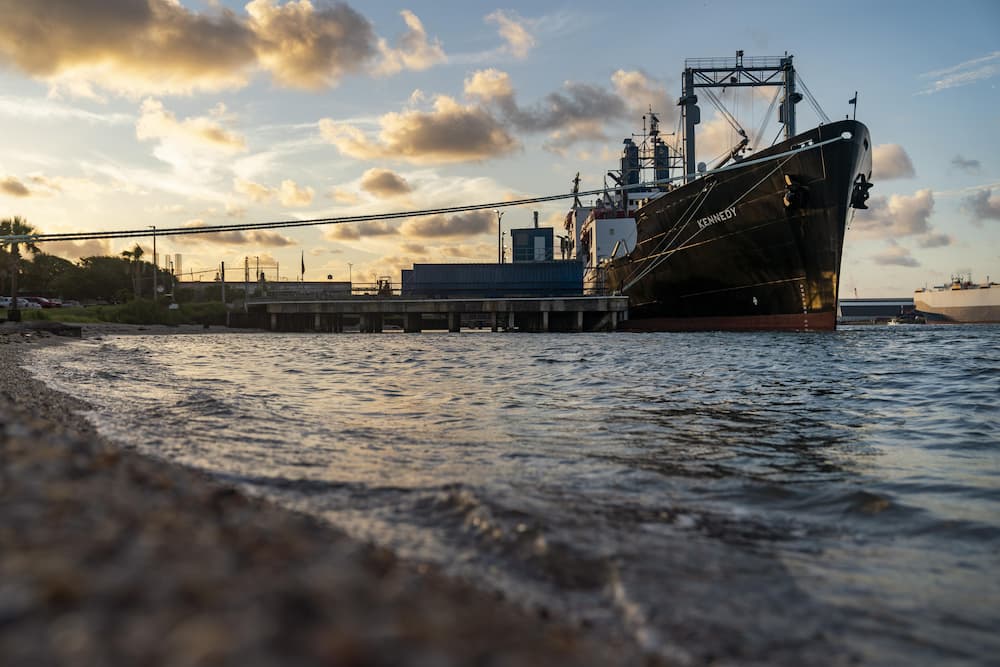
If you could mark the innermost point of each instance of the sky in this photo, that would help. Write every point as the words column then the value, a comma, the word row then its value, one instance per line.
column 128, row 114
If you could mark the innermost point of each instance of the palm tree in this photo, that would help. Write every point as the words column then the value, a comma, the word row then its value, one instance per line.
column 12, row 228
column 135, row 257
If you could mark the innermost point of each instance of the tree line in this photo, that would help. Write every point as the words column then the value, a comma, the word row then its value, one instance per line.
column 24, row 268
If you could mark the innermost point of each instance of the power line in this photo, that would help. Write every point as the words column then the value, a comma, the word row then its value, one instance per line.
column 282, row 224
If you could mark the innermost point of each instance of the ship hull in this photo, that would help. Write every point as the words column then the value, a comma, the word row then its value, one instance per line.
column 747, row 248
column 970, row 305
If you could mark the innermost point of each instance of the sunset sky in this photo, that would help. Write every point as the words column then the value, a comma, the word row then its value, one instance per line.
column 123, row 114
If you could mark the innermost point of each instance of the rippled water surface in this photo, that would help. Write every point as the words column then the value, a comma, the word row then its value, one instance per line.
column 745, row 498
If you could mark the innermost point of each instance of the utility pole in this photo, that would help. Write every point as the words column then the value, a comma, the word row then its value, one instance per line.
column 222, row 280
column 155, row 265
column 499, row 236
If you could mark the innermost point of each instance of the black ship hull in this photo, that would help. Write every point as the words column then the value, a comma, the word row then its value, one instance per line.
column 755, row 246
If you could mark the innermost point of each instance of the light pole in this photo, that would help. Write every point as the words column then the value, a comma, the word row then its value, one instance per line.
column 349, row 273
column 499, row 237
column 155, row 266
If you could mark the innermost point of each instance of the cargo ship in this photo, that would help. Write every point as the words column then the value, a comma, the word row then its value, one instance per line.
column 753, row 243
column 962, row 301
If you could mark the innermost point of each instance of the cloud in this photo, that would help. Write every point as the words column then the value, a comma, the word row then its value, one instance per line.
column 891, row 161
column 489, row 85
column 255, row 191
column 450, row 132
column 514, row 32
column 131, row 46
column 306, row 47
column 356, row 230
column 450, row 226
column 643, row 93
column 77, row 249
column 934, row 240
column 290, row 194
column 344, row 196
column 982, row 205
column 199, row 132
column 895, row 255
column 413, row 51
column 261, row 238
column 895, row 217
column 963, row 74
column 578, row 112
column 960, row 162
column 384, row 183
column 13, row 187
column 161, row 47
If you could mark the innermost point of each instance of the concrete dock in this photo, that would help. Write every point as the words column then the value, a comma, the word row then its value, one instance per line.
column 375, row 314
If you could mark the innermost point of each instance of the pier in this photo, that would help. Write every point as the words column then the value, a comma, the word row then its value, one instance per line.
column 376, row 314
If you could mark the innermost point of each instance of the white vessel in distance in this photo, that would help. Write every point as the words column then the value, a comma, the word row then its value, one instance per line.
column 961, row 301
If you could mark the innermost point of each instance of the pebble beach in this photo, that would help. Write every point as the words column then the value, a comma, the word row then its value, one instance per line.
column 109, row 557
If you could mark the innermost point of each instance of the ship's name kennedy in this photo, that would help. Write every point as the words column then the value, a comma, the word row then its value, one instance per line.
column 727, row 214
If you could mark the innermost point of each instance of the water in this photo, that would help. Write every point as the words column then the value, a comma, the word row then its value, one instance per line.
column 772, row 499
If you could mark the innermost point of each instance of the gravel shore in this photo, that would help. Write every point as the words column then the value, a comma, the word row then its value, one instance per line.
column 108, row 557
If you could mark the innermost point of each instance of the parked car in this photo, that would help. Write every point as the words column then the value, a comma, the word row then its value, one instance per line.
column 26, row 303
column 41, row 301
column 5, row 301
column 71, row 303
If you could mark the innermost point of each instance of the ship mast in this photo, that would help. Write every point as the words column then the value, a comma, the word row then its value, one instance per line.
column 738, row 72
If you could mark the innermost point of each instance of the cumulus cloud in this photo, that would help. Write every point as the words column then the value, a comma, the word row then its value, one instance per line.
column 291, row 194
column 256, row 237
column 891, row 161
column 255, row 191
column 139, row 47
column 934, row 240
column 413, row 50
column 982, row 205
column 450, row 226
column 960, row 162
column 198, row 132
column 895, row 217
column 384, row 183
column 73, row 250
column 963, row 74
column 306, row 47
column 489, row 85
column 343, row 196
column 895, row 255
column 14, row 187
column 126, row 45
column 514, row 31
column 643, row 93
column 356, row 230
column 450, row 132
column 579, row 111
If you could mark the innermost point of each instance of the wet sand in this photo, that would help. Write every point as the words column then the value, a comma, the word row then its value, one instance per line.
column 108, row 557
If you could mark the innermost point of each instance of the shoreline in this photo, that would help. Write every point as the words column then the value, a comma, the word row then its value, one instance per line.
column 111, row 557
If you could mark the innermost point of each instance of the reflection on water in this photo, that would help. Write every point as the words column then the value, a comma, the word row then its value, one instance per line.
column 751, row 498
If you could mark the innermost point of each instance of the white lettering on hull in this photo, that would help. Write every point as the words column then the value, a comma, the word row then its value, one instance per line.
column 727, row 214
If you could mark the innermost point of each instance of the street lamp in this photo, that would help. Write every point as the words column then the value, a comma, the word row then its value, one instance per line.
column 499, row 237
column 154, row 263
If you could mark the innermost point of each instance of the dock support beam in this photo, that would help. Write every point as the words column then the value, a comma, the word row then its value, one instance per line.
column 274, row 321
column 545, row 321
column 493, row 320
column 454, row 322
column 412, row 322
column 578, row 321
